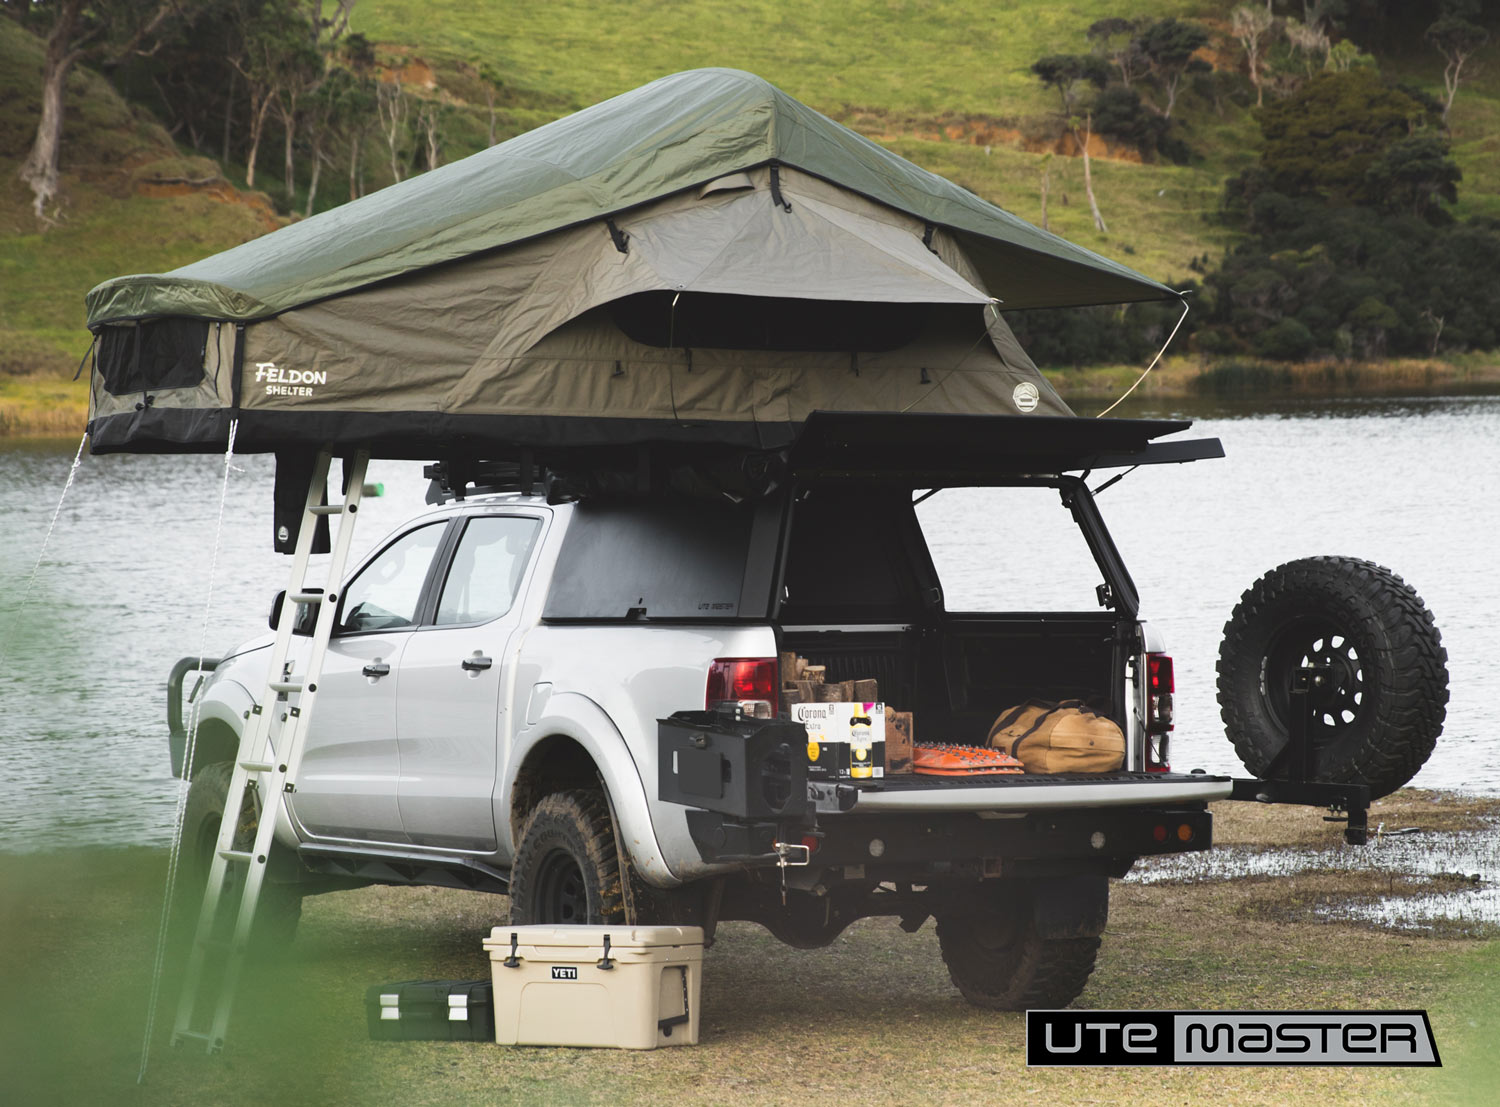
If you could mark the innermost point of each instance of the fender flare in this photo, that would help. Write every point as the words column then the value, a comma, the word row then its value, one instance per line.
column 224, row 702
column 576, row 717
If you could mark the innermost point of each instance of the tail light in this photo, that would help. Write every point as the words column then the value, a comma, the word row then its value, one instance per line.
column 1160, row 687
column 747, row 681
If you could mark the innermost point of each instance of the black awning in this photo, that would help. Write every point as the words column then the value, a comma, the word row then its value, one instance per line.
column 974, row 449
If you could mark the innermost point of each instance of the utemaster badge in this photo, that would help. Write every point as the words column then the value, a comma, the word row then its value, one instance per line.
column 1077, row 1038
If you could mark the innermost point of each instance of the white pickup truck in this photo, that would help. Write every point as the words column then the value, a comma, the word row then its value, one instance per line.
column 498, row 692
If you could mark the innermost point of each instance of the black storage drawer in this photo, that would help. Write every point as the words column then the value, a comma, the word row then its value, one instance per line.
column 431, row 1010
column 747, row 768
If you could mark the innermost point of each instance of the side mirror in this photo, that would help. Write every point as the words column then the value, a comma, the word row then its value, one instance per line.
column 306, row 615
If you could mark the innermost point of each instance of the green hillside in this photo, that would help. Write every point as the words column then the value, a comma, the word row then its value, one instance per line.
column 938, row 57
column 127, row 212
column 944, row 83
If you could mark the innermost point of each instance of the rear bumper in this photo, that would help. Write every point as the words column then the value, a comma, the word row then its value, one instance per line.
column 921, row 847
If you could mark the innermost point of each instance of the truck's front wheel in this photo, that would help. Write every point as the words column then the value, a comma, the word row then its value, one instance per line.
column 279, row 908
column 567, row 869
column 997, row 959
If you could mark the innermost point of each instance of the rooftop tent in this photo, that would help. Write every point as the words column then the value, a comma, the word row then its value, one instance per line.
column 701, row 260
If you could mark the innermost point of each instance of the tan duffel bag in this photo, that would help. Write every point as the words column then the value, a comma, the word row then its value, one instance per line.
column 1064, row 737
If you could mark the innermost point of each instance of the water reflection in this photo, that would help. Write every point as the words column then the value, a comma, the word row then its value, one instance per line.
column 1468, row 859
column 83, row 755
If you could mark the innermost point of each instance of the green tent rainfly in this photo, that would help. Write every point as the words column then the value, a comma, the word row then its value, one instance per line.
column 703, row 259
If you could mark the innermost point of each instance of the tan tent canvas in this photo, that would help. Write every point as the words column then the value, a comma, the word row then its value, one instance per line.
column 712, row 297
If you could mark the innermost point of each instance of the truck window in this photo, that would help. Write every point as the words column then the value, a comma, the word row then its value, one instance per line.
column 487, row 568
column 846, row 559
column 1008, row 549
column 385, row 594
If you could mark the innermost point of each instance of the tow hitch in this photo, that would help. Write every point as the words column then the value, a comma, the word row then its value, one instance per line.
column 1289, row 778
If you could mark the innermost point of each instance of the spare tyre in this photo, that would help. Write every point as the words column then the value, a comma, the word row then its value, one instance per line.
column 1378, row 716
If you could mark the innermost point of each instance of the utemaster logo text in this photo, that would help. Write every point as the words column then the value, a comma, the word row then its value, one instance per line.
column 1074, row 1038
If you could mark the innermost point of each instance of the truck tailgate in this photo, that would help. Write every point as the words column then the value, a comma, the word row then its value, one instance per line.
column 1021, row 794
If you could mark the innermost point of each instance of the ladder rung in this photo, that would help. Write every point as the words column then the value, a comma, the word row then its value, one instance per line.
column 238, row 855
column 285, row 686
column 257, row 766
column 327, row 509
column 308, row 597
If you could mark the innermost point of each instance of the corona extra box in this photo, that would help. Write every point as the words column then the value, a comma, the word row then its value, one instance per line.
column 845, row 741
column 628, row 987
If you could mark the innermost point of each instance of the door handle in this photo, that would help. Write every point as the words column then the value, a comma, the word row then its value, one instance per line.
column 475, row 664
column 376, row 669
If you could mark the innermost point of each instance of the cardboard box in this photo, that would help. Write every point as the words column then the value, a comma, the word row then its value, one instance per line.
column 626, row 987
column 845, row 741
column 898, row 742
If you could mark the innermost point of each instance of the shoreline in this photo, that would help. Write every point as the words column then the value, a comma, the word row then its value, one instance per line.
column 43, row 406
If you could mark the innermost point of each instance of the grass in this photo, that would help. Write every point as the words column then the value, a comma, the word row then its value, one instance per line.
column 870, row 1020
column 935, row 56
column 41, row 404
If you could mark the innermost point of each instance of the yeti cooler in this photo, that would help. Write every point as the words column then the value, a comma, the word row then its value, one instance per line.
column 628, row 987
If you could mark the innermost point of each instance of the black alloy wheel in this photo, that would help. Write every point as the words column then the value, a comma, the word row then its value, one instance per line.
column 567, row 869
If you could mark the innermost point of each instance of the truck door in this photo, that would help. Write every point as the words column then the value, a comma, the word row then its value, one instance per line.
column 350, row 764
column 452, row 682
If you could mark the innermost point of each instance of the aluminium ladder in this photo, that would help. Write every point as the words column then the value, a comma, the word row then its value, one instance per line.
column 271, row 753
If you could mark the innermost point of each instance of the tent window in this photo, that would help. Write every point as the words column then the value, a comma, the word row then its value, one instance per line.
column 162, row 353
column 712, row 320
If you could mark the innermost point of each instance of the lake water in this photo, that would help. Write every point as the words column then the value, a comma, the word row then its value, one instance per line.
column 122, row 591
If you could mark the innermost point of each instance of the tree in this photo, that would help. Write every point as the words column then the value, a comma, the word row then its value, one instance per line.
column 1115, row 39
column 1088, row 176
column 1309, row 43
column 1071, row 75
column 429, row 124
column 1324, row 138
column 107, row 33
column 1416, row 176
column 1168, row 46
column 1457, row 40
column 299, row 68
column 393, row 107
column 354, row 92
column 1251, row 25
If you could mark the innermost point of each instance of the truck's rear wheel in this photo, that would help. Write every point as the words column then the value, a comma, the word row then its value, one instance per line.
column 1379, row 717
column 279, row 908
column 996, row 958
column 566, row 868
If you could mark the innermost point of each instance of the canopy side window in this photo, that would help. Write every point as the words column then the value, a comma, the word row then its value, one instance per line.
column 152, row 355
column 487, row 568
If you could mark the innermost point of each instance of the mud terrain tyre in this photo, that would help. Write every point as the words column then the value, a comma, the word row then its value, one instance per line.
column 280, row 906
column 1381, row 717
column 567, row 869
column 997, row 960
